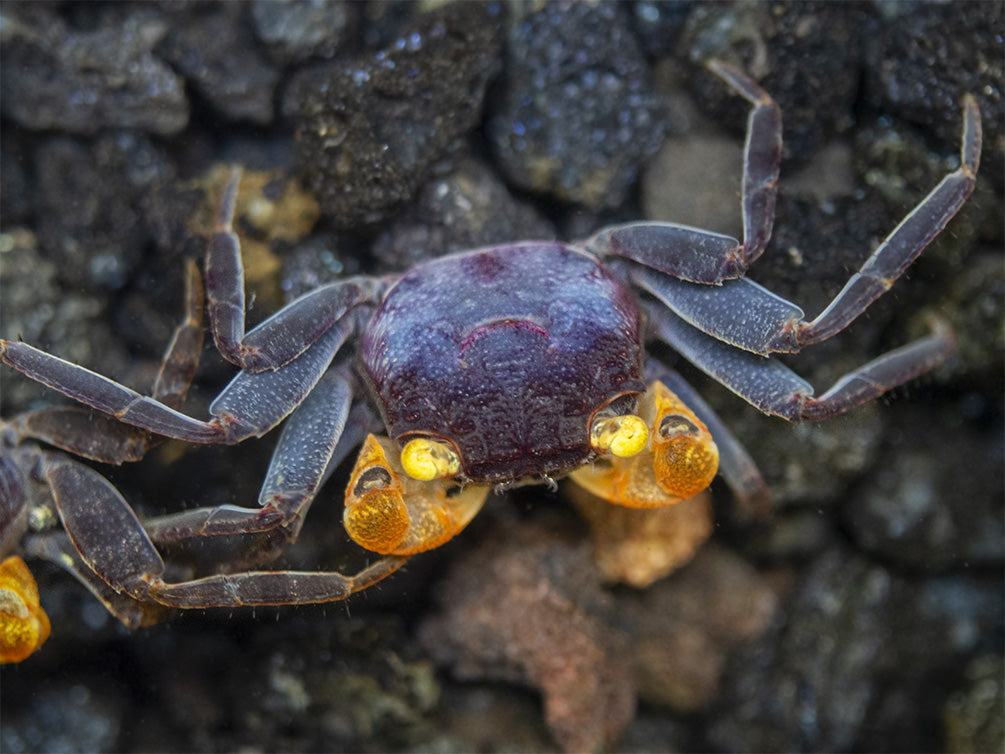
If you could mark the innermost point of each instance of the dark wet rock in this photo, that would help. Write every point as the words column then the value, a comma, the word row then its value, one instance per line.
column 932, row 511
column 855, row 641
column 805, row 464
column 528, row 608
column 467, row 209
column 771, row 41
column 322, row 258
column 658, row 23
column 37, row 309
column 15, row 197
column 93, row 199
column 576, row 116
column 924, row 60
column 974, row 715
column 975, row 307
column 212, row 45
column 368, row 131
column 65, row 718
column 297, row 31
column 55, row 77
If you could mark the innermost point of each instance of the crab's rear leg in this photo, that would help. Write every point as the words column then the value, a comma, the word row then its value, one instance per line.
column 56, row 547
column 699, row 255
column 770, row 386
column 770, row 324
column 105, row 530
column 907, row 240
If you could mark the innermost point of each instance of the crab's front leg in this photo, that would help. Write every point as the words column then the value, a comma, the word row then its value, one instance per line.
column 388, row 510
column 678, row 460
column 107, row 534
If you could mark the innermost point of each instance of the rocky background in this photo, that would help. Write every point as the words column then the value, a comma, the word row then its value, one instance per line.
column 865, row 613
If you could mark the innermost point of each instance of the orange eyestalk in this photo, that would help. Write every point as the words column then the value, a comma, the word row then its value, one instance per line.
column 24, row 626
column 389, row 511
column 679, row 460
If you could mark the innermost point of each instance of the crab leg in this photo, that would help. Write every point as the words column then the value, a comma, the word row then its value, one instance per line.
column 290, row 331
column 907, row 240
column 773, row 388
column 112, row 541
column 770, row 324
column 272, row 587
column 739, row 312
column 101, row 438
column 306, row 450
column 698, row 255
column 762, row 157
column 250, row 405
column 57, row 548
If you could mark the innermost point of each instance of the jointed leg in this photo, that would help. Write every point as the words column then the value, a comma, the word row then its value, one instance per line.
column 775, row 389
column 907, row 240
column 770, row 324
column 88, row 434
column 113, row 543
column 294, row 328
column 698, row 255
column 250, row 405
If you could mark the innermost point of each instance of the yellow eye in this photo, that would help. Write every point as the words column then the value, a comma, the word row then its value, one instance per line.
column 621, row 436
column 426, row 459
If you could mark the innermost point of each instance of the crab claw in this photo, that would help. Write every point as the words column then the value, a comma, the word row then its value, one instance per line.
column 679, row 461
column 24, row 626
column 389, row 512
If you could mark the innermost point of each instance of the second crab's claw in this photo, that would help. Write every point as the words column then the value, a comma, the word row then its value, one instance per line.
column 24, row 626
column 679, row 460
column 390, row 512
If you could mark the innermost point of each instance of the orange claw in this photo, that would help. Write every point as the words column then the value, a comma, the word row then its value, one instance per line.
column 389, row 512
column 24, row 626
column 680, row 460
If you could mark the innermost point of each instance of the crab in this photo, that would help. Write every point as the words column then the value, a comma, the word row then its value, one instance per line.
column 513, row 364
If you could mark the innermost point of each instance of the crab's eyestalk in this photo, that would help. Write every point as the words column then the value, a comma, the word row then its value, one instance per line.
column 24, row 626
column 685, row 457
column 677, row 460
column 426, row 460
column 621, row 436
column 388, row 511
